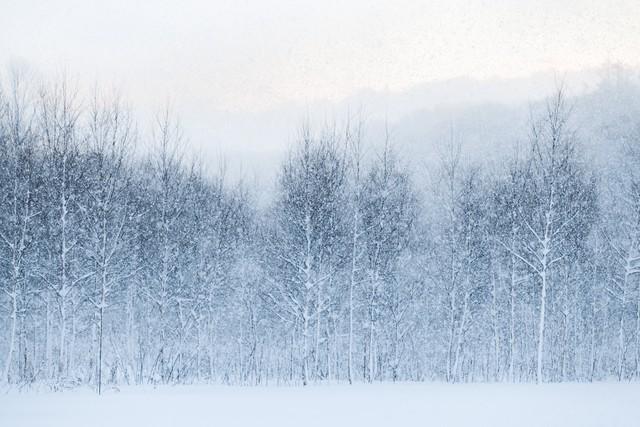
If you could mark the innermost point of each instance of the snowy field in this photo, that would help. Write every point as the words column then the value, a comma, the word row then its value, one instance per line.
column 495, row 405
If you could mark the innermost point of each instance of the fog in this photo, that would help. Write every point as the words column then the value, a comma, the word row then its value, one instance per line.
column 242, row 76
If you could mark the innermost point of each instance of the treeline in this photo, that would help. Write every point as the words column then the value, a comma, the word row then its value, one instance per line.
column 121, row 268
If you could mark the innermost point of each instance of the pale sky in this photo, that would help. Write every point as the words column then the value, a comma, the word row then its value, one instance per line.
column 250, row 57
column 256, row 55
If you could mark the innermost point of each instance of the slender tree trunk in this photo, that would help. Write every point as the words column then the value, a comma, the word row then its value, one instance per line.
column 496, row 335
column 541, row 325
column 316, row 351
column 396, row 351
column 12, row 336
column 460, row 337
column 370, row 358
column 354, row 256
column 100, row 335
column 131, row 330
column 71, row 353
column 305, row 347
column 621, row 333
column 544, row 263
column 512, row 321
column 452, row 329
column 350, row 344
column 63, row 277
column 62, row 338
column 47, row 338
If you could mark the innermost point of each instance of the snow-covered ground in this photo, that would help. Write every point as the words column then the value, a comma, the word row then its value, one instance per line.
column 495, row 405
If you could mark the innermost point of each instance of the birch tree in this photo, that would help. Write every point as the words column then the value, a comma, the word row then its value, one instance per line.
column 389, row 211
column 557, row 196
column 306, row 211
column 162, row 237
column 64, row 270
column 19, row 185
column 622, row 233
column 107, row 209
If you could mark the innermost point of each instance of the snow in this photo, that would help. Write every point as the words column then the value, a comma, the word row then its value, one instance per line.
column 406, row 404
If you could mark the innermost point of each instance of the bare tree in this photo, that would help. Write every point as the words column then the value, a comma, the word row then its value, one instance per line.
column 557, row 200
column 107, row 209
column 18, row 187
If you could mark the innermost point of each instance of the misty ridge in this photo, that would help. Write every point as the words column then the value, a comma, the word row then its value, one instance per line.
column 462, row 242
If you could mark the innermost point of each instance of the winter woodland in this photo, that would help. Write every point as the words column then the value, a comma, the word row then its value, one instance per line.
column 121, row 265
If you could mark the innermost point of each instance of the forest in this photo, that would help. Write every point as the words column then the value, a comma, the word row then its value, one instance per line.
column 121, row 265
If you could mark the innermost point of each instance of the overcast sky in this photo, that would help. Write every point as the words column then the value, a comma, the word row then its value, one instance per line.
column 255, row 56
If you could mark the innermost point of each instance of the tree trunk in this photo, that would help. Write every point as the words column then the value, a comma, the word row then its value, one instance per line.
column 621, row 334
column 512, row 321
column 541, row 326
column 12, row 336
